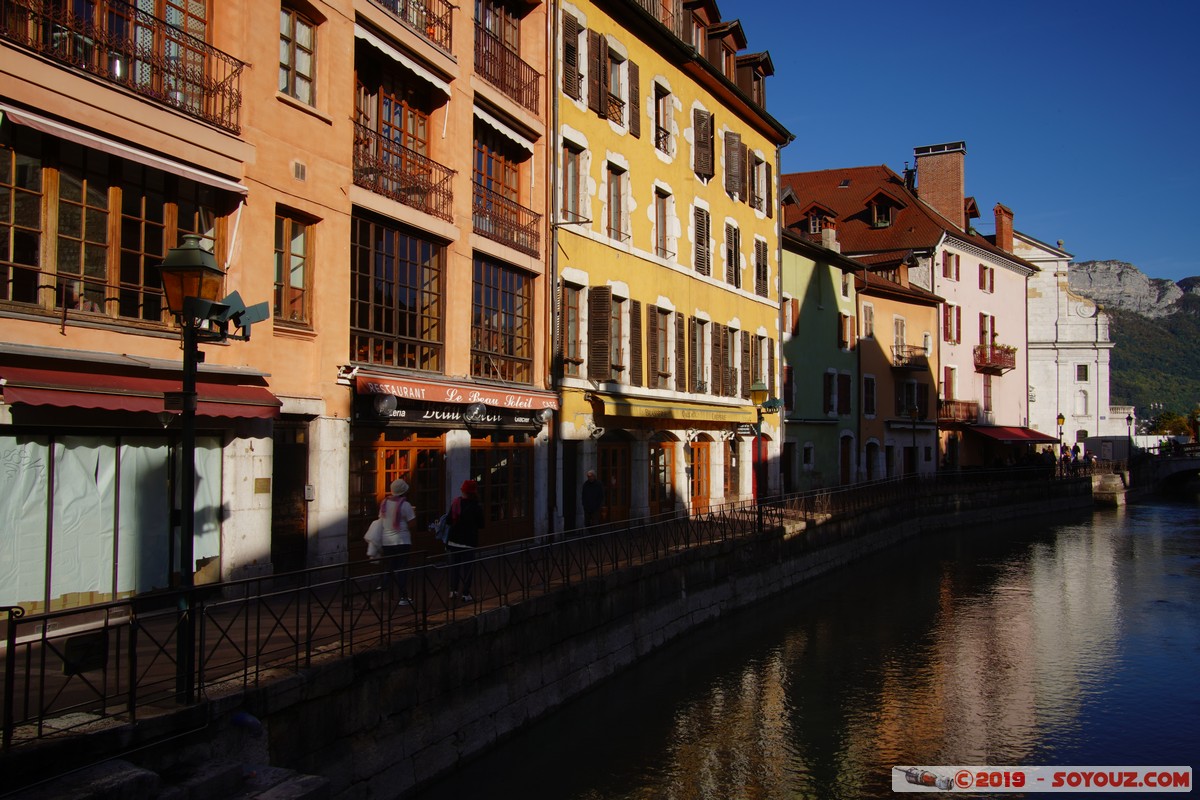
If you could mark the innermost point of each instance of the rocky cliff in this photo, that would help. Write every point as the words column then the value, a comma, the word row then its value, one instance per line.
column 1122, row 286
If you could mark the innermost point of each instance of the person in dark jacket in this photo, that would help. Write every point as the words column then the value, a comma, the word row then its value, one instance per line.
column 466, row 519
column 593, row 499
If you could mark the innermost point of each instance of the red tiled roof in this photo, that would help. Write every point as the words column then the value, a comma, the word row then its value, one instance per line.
column 915, row 225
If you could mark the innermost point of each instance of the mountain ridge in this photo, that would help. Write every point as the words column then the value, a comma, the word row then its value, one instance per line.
column 1155, row 325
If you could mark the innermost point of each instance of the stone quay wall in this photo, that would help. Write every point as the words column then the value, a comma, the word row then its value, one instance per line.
column 382, row 723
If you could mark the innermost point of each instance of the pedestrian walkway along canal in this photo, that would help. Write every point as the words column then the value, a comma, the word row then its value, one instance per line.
column 1075, row 643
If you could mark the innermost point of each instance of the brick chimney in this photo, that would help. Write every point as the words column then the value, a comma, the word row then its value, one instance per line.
column 941, row 179
column 1004, row 230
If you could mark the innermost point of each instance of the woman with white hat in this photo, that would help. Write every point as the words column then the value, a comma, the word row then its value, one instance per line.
column 397, row 515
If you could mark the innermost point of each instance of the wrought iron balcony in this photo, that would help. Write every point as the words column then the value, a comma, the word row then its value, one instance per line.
column 505, row 70
column 404, row 175
column 950, row 411
column 616, row 109
column 909, row 356
column 130, row 48
column 667, row 12
column 506, row 221
column 662, row 139
column 427, row 18
column 995, row 359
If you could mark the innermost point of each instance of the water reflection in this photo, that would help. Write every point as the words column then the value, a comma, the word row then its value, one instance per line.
column 1030, row 646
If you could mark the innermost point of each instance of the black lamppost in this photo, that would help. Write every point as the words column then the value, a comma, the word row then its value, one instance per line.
column 758, row 397
column 1129, row 436
column 1061, row 420
column 192, row 282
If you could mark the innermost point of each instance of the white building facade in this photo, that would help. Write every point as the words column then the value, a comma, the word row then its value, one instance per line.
column 1069, row 352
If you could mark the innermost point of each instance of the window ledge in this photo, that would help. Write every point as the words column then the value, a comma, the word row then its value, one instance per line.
column 300, row 105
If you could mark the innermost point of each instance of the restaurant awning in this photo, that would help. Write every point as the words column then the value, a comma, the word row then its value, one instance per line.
column 430, row 391
column 641, row 408
column 1012, row 434
column 121, row 392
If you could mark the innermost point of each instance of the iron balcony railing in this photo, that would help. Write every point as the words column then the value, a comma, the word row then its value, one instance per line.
column 404, row 175
column 505, row 70
column 995, row 359
column 133, row 49
column 75, row 670
column 669, row 13
column 958, row 411
column 662, row 139
column 616, row 109
column 506, row 221
column 427, row 18
column 909, row 356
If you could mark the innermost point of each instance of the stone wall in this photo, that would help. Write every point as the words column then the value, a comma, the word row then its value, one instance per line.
column 383, row 722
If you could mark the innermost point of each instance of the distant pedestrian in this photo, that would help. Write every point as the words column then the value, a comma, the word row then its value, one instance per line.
column 466, row 520
column 397, row 515
column 593, row 499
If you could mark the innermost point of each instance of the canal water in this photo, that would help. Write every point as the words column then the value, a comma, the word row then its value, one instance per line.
column 1073, row 643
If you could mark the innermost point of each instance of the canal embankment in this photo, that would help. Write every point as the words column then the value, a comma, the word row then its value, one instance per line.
column 383, row 722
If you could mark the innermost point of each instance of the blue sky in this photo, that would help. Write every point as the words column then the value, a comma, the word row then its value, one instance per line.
column 1082, row 117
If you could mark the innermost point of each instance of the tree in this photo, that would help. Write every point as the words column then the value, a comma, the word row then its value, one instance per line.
column 1169, row 423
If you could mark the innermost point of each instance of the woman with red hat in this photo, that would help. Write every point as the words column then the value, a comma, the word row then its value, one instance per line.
column 466, row 518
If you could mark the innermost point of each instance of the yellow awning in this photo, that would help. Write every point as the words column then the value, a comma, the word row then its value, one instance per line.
column 685, row 413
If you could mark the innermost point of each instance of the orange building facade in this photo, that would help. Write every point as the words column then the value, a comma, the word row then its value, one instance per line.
column 374, row 171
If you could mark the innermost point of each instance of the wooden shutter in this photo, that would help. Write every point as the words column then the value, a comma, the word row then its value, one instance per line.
column 901, row 408
column 770, row 190
column 599, row 312
column 828, row 392
column 734, row 182
column 693, row 370
column 635, row 342
column 923, row 400
column 731, row 255
column 947, row 322
column 843, row 402
column 788, row 390
column 718, row 358
column 760, row 267
column 570, row 34
column 957, row 324
column 746, row 363
column 652, row 346
column 703, row 256
column 853, row 324
column 597, row 58
column 747, row 166
column 702, row 127
column 948, row 383
column 795, row 301
column 681, row 363
column 635, row 101
column 771, row 367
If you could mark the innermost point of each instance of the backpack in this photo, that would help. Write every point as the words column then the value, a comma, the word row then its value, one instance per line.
column 441, row 528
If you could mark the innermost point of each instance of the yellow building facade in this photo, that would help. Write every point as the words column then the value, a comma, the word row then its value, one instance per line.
column 666, row 255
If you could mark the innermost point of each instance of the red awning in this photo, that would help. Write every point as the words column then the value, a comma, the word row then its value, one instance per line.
column 109, row 392
column 1013, row 434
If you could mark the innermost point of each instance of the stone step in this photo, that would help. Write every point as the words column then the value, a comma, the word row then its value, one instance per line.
column 217, row 780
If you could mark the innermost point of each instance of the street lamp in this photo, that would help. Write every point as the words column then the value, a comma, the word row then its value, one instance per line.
column 758, row 396
column 192, row 282
column 1061, row 420
column 1129, row 436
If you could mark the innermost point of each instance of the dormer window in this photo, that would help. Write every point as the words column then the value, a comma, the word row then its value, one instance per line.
column 816, row 221
column 699, row 34
column 881, row 208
